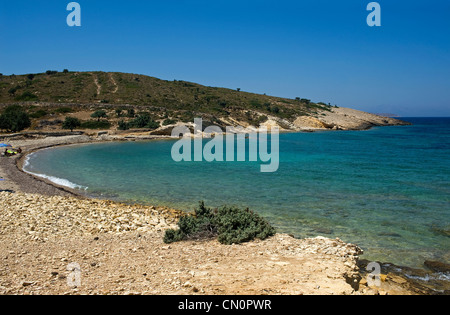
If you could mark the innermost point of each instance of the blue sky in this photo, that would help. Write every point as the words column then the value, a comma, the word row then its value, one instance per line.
column 321, row 50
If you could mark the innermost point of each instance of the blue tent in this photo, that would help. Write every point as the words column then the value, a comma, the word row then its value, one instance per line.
column 4, row 145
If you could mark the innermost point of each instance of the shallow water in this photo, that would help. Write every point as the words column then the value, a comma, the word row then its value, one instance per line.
column 386, row 189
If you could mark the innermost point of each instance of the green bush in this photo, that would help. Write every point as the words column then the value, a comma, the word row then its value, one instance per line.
column 238, row 226
column 13, row 90
column 64, row 110
column 39, row 113
column 14, row 119
column 99, row 114
column 172, row 236
column 119, row 112
column 131, row 113
column 92, row 124
column 26, row 96
column 169, row 122
column 230, row 225
column 71, row 123
column 144, row 121
column 123, row 125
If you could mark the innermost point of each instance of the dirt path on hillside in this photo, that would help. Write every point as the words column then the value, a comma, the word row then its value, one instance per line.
column 116, row 87
column 99, row 87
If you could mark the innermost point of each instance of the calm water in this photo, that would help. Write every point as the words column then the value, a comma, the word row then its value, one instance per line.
column 386, row 189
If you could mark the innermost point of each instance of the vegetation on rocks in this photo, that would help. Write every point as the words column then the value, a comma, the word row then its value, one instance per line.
column 230, row 225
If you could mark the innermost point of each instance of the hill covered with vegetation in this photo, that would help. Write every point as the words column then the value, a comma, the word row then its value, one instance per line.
column 171, row 101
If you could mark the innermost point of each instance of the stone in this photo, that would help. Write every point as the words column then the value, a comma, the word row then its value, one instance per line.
column 437, row 266
column 27, row 283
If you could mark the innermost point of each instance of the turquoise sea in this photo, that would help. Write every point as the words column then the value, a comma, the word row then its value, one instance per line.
column 386, row 189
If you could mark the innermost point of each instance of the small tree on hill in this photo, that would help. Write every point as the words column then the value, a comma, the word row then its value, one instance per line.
column 71, row 123
column 99, row 114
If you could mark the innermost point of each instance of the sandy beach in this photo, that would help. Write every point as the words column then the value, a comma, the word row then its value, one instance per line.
column 119, row 248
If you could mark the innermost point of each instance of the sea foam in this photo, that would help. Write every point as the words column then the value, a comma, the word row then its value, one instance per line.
column 56, row 180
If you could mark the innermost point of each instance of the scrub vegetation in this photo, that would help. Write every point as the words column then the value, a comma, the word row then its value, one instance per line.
column 230, row 225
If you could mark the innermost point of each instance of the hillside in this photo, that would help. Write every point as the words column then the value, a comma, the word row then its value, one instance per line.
column 51, row 96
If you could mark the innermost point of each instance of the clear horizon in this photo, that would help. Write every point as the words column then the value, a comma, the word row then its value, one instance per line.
column 323, row 51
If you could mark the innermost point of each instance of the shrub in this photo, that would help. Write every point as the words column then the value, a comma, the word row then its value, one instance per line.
column 306, row 101
column 231, row 225
column 172, row 236
column 71, row 123
column 92, row 124
column 39, row 114
column 144, row 121
column 26, row 96
column 131, row 113
column 141, row 121
column 255, row 103
column 99, row 114
column 169, row 122
column 123, row 125
column 260, row 120
column 50, row 72
column 64, row 110
column 65, row 71
column 187, row 116
column 119, row 112
column 14, row 119
column 238, row 226
column 274, row 109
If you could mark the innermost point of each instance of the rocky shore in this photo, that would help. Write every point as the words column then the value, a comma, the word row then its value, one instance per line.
column 119, row 249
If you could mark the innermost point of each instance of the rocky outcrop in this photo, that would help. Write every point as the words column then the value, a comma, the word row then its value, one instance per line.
column 351, row 119
column 437, row 266
column 308, row 123
column 334, row 119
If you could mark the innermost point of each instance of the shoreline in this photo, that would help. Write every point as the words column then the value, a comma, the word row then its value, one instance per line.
column 33, row 185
